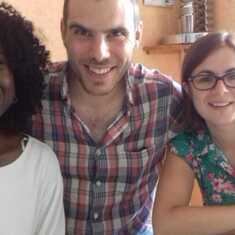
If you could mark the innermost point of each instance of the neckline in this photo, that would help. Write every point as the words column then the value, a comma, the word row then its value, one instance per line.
column 18, row 160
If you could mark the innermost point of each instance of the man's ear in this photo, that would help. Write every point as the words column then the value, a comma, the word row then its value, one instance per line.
column 138, row 34
column 63, row 30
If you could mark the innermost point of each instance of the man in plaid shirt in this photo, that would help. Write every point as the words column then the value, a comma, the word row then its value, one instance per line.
column 107, row 119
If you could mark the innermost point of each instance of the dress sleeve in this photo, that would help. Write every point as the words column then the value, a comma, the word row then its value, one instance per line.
column 51, row 219
column 185, row 147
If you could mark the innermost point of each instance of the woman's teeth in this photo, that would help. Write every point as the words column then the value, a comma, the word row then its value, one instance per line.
column 220, row 104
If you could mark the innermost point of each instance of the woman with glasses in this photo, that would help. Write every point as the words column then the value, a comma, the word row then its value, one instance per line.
column 206, row 149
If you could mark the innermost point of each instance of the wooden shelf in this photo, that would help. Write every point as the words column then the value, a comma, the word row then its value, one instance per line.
column 166, row 48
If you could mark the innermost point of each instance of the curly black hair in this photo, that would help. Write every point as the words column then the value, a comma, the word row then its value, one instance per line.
column 27, row 60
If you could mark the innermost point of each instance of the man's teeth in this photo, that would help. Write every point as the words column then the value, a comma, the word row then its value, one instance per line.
column 99, row 71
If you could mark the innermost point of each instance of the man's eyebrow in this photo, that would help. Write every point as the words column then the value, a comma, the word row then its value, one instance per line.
column 118, row 28
column 75, row 25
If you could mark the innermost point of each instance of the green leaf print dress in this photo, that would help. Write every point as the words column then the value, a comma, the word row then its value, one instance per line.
column 215, row 175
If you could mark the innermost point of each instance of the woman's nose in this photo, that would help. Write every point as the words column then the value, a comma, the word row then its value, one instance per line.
column 220, row 87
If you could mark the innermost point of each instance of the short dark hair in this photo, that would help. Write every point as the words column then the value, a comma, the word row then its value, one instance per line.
column 27, row 60
column 198, row 52
column 135, row 9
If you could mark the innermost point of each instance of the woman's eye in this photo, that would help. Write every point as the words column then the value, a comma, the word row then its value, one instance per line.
column 204, row 79
column 230, row 76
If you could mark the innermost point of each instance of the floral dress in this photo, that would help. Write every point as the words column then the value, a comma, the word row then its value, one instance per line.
column 215, row 175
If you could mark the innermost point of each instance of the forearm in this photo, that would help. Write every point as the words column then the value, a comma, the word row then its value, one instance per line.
column 172, row 214
column 196, row 220
column 229, row 233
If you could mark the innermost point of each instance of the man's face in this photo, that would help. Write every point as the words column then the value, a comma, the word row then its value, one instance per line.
column 99, row 36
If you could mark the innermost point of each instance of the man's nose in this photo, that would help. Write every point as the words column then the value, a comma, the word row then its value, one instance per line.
column 101, row 48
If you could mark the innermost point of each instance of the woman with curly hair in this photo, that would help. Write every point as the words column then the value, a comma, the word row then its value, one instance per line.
column 31, row 191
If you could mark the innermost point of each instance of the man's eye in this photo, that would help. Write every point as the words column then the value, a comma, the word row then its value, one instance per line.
column 81, row 32
column 117, row 33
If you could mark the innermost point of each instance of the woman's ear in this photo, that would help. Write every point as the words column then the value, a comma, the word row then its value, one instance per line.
column 186, row 88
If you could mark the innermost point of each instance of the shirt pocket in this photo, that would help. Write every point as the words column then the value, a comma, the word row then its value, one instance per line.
column 128, row 171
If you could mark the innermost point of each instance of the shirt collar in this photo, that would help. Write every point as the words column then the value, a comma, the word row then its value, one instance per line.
column 64, row 87
column 130, row 78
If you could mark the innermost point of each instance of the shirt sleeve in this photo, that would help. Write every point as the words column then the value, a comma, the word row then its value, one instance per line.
column 175, row 114
column 51, row 211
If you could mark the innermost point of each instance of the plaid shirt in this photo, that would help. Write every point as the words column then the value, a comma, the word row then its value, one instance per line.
column 109, row 188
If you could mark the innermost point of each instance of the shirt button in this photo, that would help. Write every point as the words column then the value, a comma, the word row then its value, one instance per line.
column 96, row 215
column 97, row 152
column 98, row 183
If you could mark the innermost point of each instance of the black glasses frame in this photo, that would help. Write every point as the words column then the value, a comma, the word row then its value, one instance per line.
column 217, row 78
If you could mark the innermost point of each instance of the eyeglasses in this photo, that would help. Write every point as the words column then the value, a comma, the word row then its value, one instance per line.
column 207, row 80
